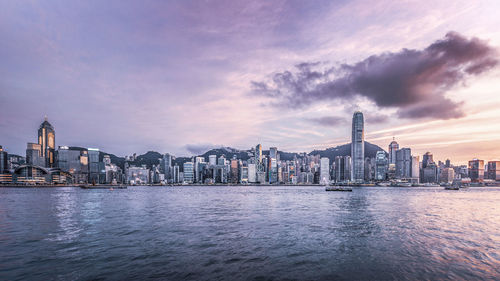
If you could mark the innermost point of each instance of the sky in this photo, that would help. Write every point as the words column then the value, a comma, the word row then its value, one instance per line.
column 185, row 76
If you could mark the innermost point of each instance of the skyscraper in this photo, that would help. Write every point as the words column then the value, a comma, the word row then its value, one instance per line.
column 476, row 170
column 415, row 168
column 47, row 141
column 380, row 166
column 258, row 155
column 358, row 147
column 166, row 166
column 403, row 163
column 4, row 168
column 34, row 155
column 427, row 159
column 342, row 168
column 393, row 147
column 494, row 170
column 188, row 169
column 324, row 172
column 212, row 160
column 273, row 165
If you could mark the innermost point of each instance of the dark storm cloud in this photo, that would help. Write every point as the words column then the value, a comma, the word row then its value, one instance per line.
column 328, row 121
column 413, row 81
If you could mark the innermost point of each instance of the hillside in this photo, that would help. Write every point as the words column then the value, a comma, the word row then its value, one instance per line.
column 153, row 158
column 345, row 149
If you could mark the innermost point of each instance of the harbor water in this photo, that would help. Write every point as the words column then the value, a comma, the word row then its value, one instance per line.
column 249, row 233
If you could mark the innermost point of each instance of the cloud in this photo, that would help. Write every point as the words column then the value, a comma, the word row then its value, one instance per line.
column 376, row 118
column 328, row 121
column 197, row 149
column 415, row 82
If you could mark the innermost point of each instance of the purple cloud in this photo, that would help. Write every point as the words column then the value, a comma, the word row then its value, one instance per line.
column 413, row 81
column 328, row 121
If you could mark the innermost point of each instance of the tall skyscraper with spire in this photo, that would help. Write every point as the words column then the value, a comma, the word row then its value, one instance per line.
column 47, row 141
column 358, row 147
column 393, row 147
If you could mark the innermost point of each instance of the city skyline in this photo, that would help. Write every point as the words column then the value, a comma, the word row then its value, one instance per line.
column 185, row 83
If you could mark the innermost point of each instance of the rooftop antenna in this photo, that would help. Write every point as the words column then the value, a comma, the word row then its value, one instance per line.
column 45, row 117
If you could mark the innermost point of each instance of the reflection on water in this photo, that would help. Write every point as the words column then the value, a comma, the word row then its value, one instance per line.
column 262, row 233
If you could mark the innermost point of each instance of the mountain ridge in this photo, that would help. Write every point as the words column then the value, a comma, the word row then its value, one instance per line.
column 151, row 158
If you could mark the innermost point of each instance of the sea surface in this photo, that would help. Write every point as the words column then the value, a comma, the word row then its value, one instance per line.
column 249, row 233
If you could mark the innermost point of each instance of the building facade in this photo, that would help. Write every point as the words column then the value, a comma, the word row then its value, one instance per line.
column 324, row 173
column 403, row 163
column 380, row 166
column 476, row 170
column 47, row 142
column 393, row 147
column 358, row 147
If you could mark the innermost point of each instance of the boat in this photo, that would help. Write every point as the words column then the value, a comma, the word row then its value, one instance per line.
column 452, row 188
column 102, row 186
column 338, row 188
column 401, row 184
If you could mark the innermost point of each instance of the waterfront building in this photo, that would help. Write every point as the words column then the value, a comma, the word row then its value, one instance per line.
column 380, row 166
column 369, row 169
column 252, row 173
column 447, row 175
column 429, row 173
column 113, row 173
column 292, row 172
column 30, row 174
column 427, row 159
column 461, row 171
column 273, row 165
column 137, row 175
column 15, row 161
column 188, row 172
column 476, row 170
column 261, row 177
column 494, row 170
column 212, row 160
column 199, row 163
column 243, row 173
column 176, row 174
column 258, row 155
column 358, row 147
column 47, row 140
column 343, row 168
column 324, row 170
column 403, row 163
column 73, row 161
column 34, row 155
column 234, row 171
column 221, row 161
column 4, row 157
column 97, row 172
column 166, row 166
column 393, row 147
column 415, row 168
